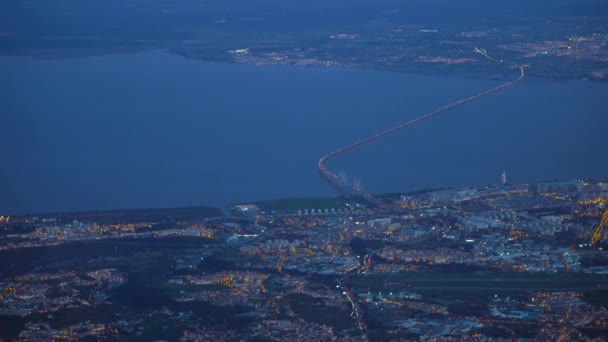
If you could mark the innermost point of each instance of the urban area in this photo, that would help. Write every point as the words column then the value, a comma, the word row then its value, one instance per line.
column 493, row 262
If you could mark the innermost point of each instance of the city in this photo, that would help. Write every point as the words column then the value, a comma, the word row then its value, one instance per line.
column 497, row 261
column 177, row 170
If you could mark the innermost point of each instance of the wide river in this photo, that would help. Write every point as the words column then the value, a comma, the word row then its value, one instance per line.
column 157, row 130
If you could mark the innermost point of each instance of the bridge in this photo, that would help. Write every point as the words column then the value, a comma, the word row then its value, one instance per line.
column 343, row 184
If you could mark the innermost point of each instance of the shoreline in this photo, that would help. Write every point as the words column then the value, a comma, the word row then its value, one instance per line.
column 438, row 70
column 270, row 202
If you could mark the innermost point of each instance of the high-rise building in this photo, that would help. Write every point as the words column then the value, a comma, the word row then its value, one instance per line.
column 503, row 178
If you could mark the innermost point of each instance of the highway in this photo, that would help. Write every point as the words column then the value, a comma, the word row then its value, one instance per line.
column 344, row 184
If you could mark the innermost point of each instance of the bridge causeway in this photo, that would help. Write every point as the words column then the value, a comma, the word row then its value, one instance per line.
column 343, row 184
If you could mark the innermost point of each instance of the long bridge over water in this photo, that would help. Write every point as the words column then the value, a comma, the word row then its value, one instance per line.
column 343, row 184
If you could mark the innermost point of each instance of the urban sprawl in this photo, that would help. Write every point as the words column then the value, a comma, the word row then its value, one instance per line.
column 500, row 262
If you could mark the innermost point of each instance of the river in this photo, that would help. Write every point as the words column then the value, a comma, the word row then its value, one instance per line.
column 158, row 130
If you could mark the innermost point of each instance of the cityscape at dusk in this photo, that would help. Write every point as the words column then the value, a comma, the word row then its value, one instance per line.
column 331, row 170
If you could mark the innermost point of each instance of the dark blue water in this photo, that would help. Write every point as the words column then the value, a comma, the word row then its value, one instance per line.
column 157, row 130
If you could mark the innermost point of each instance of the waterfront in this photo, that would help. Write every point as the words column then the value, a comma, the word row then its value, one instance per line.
column 184, row 138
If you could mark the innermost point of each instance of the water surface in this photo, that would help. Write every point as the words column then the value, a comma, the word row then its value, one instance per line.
column 158, row 130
